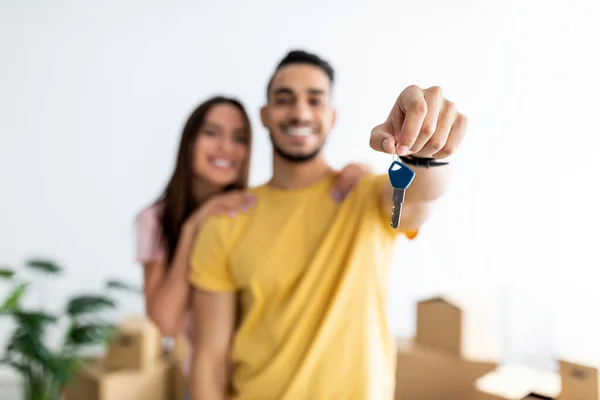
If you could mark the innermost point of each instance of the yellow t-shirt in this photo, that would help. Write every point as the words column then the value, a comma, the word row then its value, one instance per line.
column 312, row 279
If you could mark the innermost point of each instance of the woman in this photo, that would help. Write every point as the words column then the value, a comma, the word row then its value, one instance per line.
column 210, row 176
column 210, row 173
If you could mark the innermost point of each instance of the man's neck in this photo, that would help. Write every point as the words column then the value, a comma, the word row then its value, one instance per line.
column 291, row 175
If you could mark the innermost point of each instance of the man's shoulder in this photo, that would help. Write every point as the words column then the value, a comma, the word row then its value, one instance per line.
column 224, row 227
column 374, row 179
column 261, row 189
column 370, row 186
column 225, row 223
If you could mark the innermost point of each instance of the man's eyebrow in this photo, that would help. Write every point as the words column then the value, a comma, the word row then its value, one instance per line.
column 283, row 90
column 317, row 92
column 287, row 90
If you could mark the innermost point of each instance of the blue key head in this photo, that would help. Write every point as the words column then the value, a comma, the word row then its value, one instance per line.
column 400, row 175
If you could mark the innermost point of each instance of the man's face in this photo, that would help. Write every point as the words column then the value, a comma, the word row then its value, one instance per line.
column 299, row 115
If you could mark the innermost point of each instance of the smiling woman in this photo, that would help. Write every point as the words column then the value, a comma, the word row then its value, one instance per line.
column 221, row 147
column 209, row 178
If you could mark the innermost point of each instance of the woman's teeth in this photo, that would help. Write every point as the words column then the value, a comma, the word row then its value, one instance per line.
column 222, row 163
column 299, row 132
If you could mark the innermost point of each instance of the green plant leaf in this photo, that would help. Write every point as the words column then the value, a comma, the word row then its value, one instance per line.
column 29, row 333
column 89, row 334
column 29, row 345
column 87, row 304
column 120, row 285
column 34, row 320
column 13, row 301
column 6, row 273
column 44, row 266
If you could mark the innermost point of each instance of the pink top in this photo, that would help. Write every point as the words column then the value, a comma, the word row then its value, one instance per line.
column 149, row 245
column 151, row 249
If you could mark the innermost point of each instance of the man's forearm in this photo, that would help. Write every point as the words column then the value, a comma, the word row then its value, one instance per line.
column 209, row 378
column 428, row 185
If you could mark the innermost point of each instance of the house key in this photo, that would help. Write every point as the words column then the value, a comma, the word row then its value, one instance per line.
column 400, row 177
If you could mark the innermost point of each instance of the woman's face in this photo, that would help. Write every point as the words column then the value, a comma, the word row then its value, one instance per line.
column 221, row 145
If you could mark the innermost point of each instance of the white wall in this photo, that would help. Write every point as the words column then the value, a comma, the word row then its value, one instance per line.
column 93, row 96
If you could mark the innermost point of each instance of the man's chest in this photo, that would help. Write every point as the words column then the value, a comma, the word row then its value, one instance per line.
column 279, row 243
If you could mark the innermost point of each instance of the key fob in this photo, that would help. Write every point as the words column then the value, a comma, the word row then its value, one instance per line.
column 400, row 175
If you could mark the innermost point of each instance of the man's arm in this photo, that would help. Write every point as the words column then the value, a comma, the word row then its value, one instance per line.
column 213, row 310
column 214, row 326
column 424, row 124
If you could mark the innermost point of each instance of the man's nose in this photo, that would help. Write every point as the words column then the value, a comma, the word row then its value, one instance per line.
column 301, row 112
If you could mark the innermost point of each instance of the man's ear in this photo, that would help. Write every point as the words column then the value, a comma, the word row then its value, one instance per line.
column 263, row 116
column 333, row 118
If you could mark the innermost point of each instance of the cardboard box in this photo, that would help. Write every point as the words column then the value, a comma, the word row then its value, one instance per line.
column 424, row 373
column 137, row 345
column 579, row 381
column 459, row 324
column 97, row 382
column 515, row 382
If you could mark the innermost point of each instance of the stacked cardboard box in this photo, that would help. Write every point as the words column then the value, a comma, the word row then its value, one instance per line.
column 515, row 382
column 580, row 379
column 134, row 368
column 455, row 356
column 453, row 347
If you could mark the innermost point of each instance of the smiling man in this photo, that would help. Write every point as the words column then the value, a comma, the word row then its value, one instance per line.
column 304, row 131
column 310, row 274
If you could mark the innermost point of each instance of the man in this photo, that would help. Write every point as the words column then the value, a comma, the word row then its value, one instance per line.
column 294, row 291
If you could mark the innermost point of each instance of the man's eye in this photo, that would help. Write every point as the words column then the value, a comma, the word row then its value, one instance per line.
column 283, row 100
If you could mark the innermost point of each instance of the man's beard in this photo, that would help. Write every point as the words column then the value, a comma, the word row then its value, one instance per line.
column 294, row 158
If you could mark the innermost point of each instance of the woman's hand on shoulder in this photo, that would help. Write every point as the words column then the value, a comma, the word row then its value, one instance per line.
column 228, row 203
column 348, row 177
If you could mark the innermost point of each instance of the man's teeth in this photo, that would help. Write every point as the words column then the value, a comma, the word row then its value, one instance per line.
column 302, row 132
column 219, row 162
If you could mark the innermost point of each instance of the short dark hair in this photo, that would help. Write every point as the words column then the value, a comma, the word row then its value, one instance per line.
column 303, row 57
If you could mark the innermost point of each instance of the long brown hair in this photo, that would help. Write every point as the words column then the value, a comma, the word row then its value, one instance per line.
column 177, row 199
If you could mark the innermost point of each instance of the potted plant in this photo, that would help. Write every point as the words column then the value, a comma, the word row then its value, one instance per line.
column 46, row 371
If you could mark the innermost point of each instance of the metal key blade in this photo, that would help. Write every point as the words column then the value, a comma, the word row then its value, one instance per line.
column 397, row 200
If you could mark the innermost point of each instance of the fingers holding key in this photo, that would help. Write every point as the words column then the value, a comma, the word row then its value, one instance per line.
column 437, row 141
column 381, row 140
column 455, row 137
column 435, row 101
column 408, row 116
column 423, row 123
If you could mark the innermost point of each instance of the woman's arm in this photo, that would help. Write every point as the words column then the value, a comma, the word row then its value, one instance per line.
column 167, row 291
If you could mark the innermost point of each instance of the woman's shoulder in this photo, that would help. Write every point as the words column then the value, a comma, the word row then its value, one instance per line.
column 149, row 242
column 150, row 214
